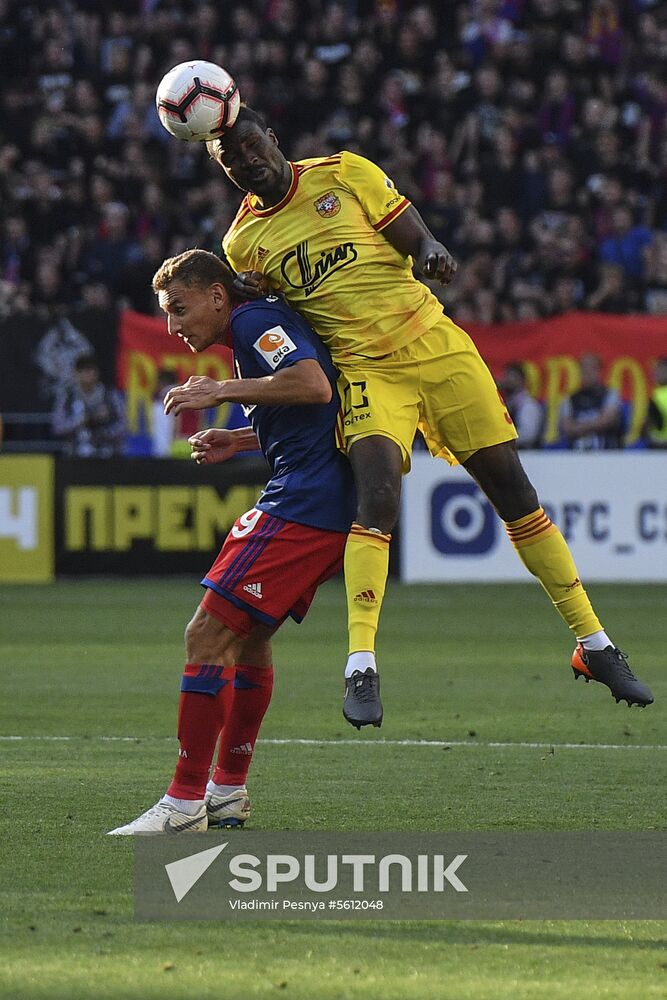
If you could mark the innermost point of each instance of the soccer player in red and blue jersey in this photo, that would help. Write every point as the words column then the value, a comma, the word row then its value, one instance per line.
column 275, row 555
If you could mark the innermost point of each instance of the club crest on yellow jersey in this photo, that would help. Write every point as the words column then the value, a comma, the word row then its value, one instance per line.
column 328, row 205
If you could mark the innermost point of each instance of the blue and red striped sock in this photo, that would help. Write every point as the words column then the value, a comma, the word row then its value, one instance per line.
column 251, row 696
column 206, row 690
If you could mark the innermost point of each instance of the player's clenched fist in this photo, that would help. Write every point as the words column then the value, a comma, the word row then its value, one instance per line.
column 251, row 285
column 198, row 393
column 438, row 263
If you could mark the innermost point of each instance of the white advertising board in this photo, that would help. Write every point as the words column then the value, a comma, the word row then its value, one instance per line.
column 610, row 506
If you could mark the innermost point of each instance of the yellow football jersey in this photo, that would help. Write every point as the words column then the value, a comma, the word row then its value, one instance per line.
column 322, row 247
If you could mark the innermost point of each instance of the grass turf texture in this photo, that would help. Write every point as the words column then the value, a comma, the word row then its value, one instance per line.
column 469, row 663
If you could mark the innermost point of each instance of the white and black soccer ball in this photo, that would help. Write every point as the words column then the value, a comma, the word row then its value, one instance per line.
column 197, row 101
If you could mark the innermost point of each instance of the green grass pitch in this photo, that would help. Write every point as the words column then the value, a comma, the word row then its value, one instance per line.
column 478, row 664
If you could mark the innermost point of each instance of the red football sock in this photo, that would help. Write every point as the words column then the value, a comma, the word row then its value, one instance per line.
column 205, row 692
column 252, row 691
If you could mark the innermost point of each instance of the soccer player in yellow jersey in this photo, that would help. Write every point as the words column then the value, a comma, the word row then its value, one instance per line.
column 335, row 237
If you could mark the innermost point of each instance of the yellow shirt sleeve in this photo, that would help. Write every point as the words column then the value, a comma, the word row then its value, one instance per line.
column 376, row 193
column 233, row 263
column 227, row 239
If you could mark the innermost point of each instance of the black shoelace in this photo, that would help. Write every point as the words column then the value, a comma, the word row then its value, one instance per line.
column 364, row 687
column 624, row 666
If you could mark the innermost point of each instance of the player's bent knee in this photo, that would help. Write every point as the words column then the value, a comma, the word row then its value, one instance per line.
column 206, row 639
column 377, row 463
column 254, row 648
column 378, row 504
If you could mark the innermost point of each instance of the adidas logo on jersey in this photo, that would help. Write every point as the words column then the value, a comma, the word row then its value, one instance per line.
column 255, row 589
column 366, row 597
column 245, row 748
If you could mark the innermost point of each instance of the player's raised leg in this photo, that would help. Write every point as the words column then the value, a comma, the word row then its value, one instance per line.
column 377, row 463
column 205, row 687
column 545, row 553
column 227, row 801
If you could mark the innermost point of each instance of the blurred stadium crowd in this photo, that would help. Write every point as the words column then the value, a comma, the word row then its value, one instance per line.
column 530, row 133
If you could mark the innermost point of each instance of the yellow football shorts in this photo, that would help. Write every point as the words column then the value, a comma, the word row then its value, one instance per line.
column 438, row 384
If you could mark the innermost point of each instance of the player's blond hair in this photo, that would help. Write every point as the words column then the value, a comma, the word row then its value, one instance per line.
column 194, row 268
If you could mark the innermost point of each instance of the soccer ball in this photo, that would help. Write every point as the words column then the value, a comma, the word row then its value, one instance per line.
column 197, row 101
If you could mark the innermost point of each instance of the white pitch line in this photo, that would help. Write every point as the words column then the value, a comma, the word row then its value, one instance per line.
column 473, row 743
column 364, row 743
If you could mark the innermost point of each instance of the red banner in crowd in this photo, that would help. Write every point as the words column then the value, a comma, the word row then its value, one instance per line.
column 145, row 349
column 550, row 349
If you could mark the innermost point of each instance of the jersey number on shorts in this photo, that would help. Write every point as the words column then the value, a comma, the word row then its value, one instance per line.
column 246, row 522
column 357, row 395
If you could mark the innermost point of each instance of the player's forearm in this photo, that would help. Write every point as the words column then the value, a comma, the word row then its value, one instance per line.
column 270, row 391
column 410, row 235
column 301, row 385
column 245, row 439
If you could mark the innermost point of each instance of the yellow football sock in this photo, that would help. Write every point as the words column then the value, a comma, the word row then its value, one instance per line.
column 543, row 550
column 366, row 567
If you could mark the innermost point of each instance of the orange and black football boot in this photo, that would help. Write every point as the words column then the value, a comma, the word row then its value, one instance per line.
column 610, row 666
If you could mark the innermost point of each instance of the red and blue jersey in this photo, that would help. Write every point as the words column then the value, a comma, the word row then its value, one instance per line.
column 311, row 480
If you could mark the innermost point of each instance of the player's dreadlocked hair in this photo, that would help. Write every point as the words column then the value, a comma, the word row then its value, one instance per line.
column 195, row 268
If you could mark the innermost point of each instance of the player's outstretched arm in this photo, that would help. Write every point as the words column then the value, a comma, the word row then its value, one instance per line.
column 300, row 384
column 220, row 444
column 410, row 235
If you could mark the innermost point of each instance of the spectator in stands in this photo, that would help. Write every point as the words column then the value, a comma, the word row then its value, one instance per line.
column 611, row 294
column 626, row 244
column 163, row 425
column 565, row 295
column 524, row 409
column 552, row 110
column 655, row 275
column 15, row 250
column 87, row 416
column 655, row 428
column 591, row 418
column 111, row 252
column 559, row 108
